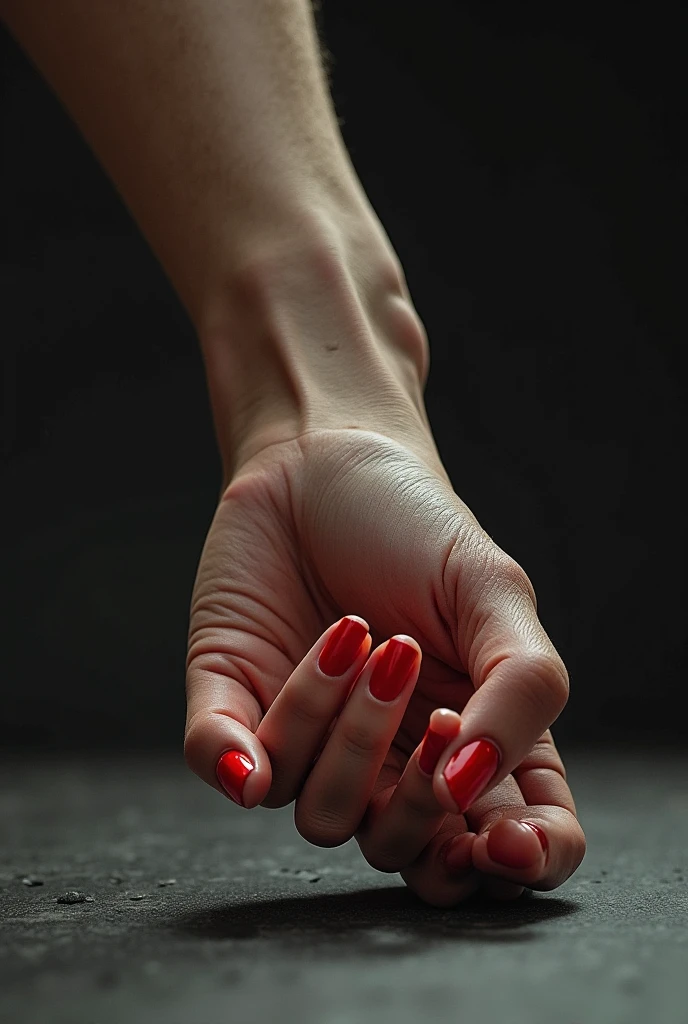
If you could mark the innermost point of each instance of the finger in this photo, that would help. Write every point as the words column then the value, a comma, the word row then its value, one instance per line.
column 538, row 845
column 521, row 687
column 401, row 820
column 443, row 875
column 297, row 721
column 336, row 793
column 221, row 748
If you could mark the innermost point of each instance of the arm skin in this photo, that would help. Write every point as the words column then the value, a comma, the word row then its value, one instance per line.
column 214, row 121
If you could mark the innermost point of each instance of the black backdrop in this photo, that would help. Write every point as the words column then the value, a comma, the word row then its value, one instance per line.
column 530, row 172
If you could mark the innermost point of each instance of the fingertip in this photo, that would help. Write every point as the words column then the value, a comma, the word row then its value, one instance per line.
column 232, row 771
column 357, row 618
column 508, row 847
column 445, row 722
column 406, row 639
column 443, row 726
column 229, row 757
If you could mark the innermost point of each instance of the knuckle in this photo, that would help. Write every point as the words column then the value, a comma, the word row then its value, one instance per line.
column 304, row 711
column 510, row 573
column 418, row 807
column 548, row 685
column 543, row 757
column 358, row 742
column 552, row 676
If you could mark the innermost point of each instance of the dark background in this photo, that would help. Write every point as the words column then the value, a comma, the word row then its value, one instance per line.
column 530, row 172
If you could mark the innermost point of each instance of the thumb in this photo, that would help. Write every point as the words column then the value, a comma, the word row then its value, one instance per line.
column 521, row 684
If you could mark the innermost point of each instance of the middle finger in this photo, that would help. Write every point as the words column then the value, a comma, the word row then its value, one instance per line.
column 336, row 793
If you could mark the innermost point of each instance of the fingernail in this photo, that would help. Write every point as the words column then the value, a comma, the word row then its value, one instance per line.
column 232, row 771
column 503, row 846
column 342, row 647
column 469, row 771
column 433, row 745
column 540, row 833
column 393, row 669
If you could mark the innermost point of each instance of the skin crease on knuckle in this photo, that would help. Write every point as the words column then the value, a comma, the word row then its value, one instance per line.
column 302, row 710
column 358, row 743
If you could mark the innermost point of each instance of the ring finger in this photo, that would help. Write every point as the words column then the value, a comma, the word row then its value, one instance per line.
column 404, row 814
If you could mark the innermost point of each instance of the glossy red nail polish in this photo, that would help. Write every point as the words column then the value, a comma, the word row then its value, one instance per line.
column 393, row 669
column 433, row 745
column 342, row 647
column 540, row 833
column 232, row 770
column 469, row 771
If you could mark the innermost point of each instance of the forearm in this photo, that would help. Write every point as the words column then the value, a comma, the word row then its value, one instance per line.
column 211, row 117
column 214, row 122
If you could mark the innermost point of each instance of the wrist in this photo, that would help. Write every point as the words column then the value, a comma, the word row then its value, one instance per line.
column 314, row 329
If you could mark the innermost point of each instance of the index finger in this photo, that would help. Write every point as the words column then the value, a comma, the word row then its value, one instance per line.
column 521, row 688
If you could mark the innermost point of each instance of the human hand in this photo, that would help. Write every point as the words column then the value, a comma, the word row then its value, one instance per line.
column 351, row 519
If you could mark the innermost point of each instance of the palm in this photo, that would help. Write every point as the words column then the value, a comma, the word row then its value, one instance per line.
column 345, row 521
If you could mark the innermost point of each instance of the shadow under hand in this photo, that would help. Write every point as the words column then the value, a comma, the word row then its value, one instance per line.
column 374, row 922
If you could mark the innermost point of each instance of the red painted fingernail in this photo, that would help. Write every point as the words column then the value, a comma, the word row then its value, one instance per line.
column 232, row 770
column 342, row 647
column 540, row 833
column 433, row 745
column 393, row 669
column 469, row 771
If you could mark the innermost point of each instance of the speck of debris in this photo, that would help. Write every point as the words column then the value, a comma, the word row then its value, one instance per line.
column 604, row 872
column 31, row 881
column 116, row 879
column 167, row 881
column 142, row 897
column 597, row 881
column 74, row 897
column 307, row 876
column 302, row 874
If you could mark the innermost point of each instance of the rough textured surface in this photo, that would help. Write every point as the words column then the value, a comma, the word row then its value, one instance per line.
column 254, row 923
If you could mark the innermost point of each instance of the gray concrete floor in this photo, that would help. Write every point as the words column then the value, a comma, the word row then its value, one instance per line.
column 261, row 926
